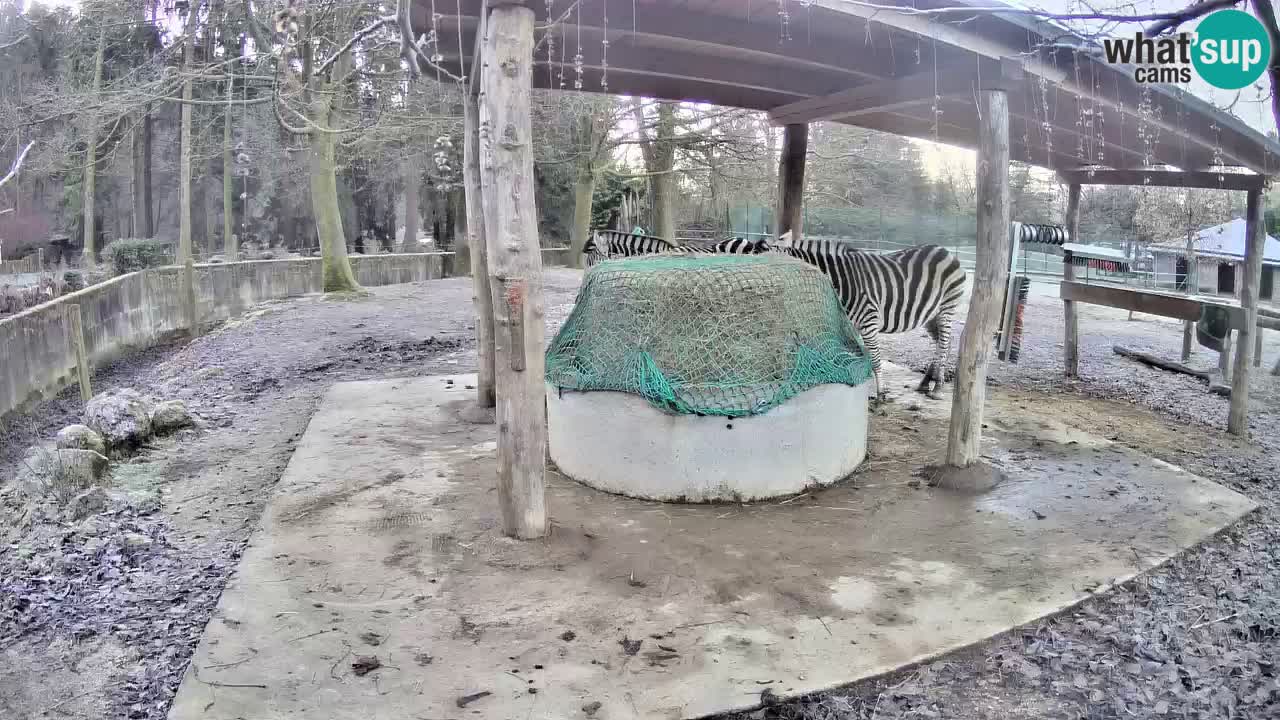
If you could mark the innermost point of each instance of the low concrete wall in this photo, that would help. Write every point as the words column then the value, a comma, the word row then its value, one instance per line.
column 140, row 309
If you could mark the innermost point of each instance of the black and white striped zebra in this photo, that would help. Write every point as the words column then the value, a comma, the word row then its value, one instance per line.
column 892, row 293
column 608, row 244
column 730, row 246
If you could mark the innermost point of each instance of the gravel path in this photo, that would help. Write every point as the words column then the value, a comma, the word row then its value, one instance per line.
column 97, row 623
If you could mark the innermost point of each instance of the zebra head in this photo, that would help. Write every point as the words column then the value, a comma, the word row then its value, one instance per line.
column 595, row 249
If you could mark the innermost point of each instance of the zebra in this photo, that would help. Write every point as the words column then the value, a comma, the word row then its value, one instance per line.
column 891, row 293
column 730, row 246
column 605, row 244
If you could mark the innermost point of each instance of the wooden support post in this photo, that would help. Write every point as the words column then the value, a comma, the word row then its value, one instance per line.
column 189, row 298
column 1257, row 348
column 515, row 267
column 964, row 437
column 1255, row 237
column 795, row 147
column 40, row 260
column 482, row 298
column 1071, row 332
column 75, row 335
column 1224, row 359
column 1192, row 288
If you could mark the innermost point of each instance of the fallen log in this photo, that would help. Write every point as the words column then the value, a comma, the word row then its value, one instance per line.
column 1155, row 362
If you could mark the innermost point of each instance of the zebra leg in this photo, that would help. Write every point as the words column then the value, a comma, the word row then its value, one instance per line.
column 939, row 329
column 933, row 374
column 870, row 332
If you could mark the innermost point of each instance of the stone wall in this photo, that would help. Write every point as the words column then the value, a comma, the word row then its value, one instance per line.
column 141, row 309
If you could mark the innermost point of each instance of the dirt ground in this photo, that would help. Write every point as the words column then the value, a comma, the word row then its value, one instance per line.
column 98, row 619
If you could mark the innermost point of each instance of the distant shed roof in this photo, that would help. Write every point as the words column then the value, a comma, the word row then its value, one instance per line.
column 864, row 65
column 1226, row 241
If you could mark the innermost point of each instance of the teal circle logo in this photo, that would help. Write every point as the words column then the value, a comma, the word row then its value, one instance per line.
column 1232, row 49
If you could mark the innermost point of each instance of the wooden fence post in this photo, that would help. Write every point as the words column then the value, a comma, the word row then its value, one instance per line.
column 1255, row 237
column 964, row 436
column 75, row 335
column 481, row 293
column 189, row 297
column 515, row 267
column 1070, row 334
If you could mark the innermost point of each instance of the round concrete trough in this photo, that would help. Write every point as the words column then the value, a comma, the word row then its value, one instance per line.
column 619, row 443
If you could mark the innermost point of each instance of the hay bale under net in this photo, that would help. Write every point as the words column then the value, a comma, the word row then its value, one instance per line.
column 728, row 335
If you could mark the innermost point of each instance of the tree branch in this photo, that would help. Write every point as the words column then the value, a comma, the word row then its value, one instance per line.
column 1191, row 12
column 1267, row 14
column 1177, row 17
column 17, row 164
column 360, row 35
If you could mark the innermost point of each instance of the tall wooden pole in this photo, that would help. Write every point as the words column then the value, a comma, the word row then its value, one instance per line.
column 964, row 437
column 1192, row 285
column 515, row 266
column 1255, row 236
column 795, row 146
column 481, row 297
column 1071, row 332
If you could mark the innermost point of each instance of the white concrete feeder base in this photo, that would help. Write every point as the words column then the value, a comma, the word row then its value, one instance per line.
column 619, row 443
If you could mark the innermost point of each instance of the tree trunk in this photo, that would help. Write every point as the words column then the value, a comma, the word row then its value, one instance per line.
column 338, row 276
column 964, row 437
column 1255, row 241
column 184, row 151
column 91, row 162
column 584, row 188
column 140, row 221
column 795, row 144
column 412, row 176
column 511, row 224
column 230, row 241
column 659, row 159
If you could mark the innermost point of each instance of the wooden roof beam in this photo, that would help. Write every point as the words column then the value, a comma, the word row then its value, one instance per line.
column 1167, row 178
column 890, row 95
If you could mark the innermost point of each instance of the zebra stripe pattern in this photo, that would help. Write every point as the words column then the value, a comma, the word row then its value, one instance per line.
column 607, row 244
column 892, row 293
column 732, row 246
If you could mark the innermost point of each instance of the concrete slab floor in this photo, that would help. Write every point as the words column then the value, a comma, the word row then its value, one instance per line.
column 382, row 541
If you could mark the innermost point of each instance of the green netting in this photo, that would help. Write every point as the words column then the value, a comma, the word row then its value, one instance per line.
column 728, row 335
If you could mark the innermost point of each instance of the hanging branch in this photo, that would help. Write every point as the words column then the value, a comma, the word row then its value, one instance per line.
column 17, row 165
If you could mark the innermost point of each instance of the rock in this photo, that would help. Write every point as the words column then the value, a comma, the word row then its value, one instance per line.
column 122, row 417
column 81, row 437
column 136, row 540
column 142, row 502
column 267, row 255
column 215, row 259
column 207, row 372
column 62, row 473
column 170, row 415
column 89, row 502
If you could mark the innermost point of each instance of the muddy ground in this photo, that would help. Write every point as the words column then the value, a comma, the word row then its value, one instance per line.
column 99, row 617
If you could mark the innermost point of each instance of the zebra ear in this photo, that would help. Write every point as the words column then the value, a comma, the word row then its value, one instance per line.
column 784, row 240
